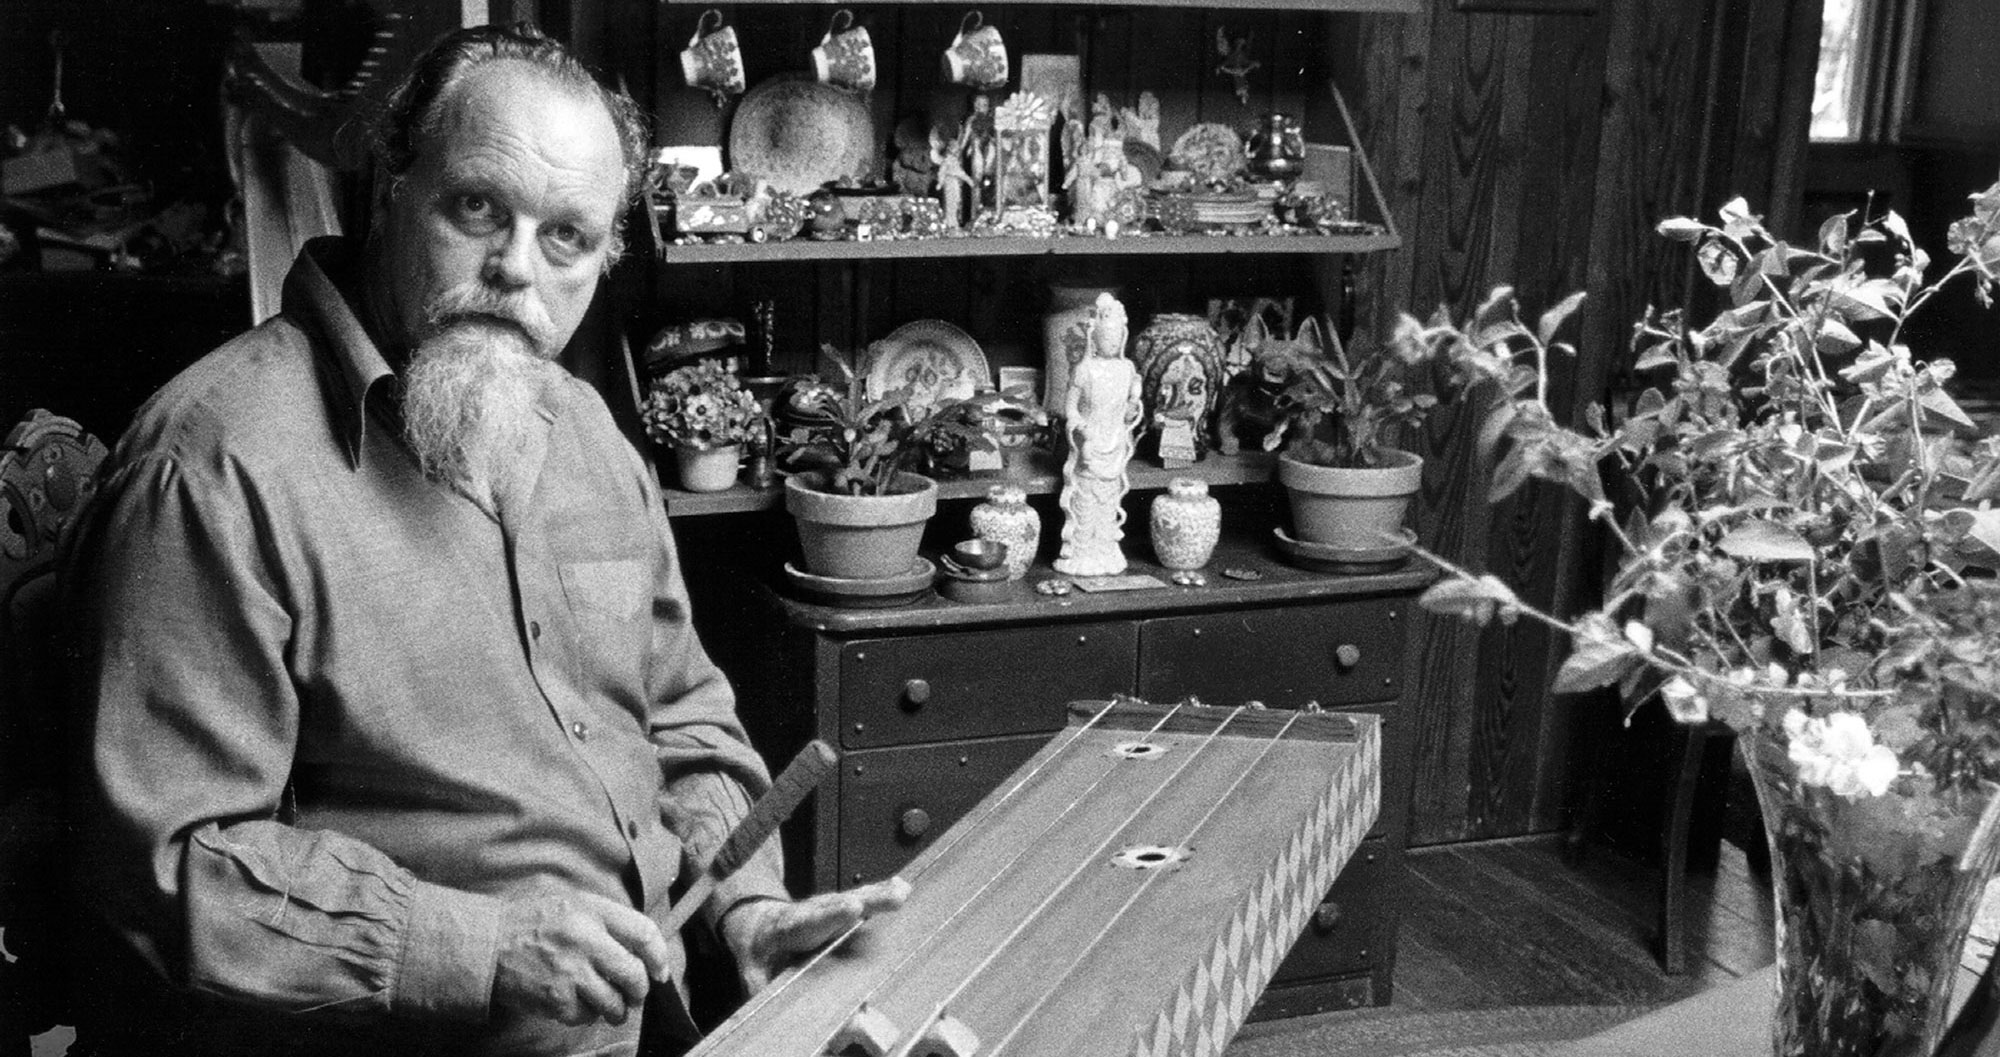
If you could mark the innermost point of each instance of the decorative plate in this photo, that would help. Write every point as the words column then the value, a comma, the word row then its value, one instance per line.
column 935, row 360
column 1213, row 152
column 797, row 134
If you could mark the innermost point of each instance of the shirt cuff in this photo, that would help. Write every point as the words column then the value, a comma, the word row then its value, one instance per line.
column 450, row 948
column 760, row 878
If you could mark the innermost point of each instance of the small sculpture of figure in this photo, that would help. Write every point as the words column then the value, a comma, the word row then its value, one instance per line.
column 1105, row 172
column 1102, row 410
column 1143, row 122
column 1074, row 134
column 981, row 150
column 1103, row 119
column 952, row 183
column 914, row 167
column 1236, row 62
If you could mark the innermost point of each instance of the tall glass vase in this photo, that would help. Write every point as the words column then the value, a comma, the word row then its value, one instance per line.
column 1874, row 897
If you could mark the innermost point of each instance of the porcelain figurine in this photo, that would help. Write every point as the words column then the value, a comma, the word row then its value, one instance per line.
column 1102, row 409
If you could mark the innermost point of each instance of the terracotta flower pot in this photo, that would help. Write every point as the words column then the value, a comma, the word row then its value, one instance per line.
column 860, row 536
column 708, row 469
column 1356, row 509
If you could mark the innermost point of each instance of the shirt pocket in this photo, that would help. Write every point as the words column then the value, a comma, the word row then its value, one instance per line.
column 617, row 588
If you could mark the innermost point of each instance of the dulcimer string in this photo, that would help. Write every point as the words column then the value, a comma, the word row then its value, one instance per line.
column 1083, row 863
column 1026, row 846
column 1027, row 1018
column 957, row 834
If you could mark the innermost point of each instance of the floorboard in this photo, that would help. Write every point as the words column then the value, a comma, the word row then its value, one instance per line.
column 1516, row 923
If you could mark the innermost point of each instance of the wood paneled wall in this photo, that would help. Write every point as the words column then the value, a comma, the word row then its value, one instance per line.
column 1539, row 151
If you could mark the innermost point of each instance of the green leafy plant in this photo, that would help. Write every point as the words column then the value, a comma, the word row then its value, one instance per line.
column 864, row 442
column 701, row 406
column 1344, row 408
column 1802, row 550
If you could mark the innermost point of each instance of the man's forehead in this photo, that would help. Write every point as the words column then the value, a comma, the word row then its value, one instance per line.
column 513, row 107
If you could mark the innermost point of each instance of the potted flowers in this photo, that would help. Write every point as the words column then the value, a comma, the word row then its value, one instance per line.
column 1809, row 561
column 706, row 416
column 1349, row 485
column 859, row 505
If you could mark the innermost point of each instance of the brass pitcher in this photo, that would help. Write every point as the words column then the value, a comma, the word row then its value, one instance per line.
column 1277, row 148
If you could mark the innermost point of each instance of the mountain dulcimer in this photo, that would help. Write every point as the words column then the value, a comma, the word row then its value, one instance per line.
column 1128, row 891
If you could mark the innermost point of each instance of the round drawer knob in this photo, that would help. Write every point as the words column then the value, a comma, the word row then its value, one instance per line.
column 1325, row 917
column 916, row 692
column 1347, row 655
column 915, row 822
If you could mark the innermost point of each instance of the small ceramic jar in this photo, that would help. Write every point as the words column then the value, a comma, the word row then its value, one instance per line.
column 1005, row 517
column 1186, row 523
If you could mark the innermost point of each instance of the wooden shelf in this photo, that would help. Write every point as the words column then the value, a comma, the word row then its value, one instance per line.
column 1394, row 7
column 1023, row 246
column 1043, row 477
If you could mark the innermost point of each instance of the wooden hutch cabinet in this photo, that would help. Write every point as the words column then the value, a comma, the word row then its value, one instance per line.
column 933, row 703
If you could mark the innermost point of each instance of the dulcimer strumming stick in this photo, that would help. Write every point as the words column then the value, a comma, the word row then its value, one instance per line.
column 801, row 776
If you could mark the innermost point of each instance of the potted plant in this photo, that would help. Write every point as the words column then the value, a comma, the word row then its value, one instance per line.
column 1337, row 419
column 1807, row 558
column 858, row 502
column 706, row 416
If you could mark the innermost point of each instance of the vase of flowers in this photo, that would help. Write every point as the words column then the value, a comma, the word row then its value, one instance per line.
column 1804, row 555
column 706, row 416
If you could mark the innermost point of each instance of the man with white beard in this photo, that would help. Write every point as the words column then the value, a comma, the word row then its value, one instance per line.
column 395, row 733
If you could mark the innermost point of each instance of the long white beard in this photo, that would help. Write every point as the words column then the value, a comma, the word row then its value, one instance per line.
column 470, row 400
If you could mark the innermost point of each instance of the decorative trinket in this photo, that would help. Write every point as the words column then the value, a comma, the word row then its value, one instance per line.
column 1242, row 574
column 1186, row 524
column 1180, row 363
column 1099, row 414
column 1005, row 517
column 1055, row 588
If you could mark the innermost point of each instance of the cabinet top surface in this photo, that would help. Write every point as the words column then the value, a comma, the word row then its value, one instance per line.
column 1275, row 583
column 1401, row 7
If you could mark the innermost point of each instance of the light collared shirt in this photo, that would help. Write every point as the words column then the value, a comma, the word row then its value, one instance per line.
column 337, row 712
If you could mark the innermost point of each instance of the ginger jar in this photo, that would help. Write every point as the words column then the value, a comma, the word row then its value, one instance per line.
column 1186, row 524
column 1005, row 517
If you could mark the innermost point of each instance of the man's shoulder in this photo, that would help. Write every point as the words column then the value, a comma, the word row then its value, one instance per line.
column 257, row 392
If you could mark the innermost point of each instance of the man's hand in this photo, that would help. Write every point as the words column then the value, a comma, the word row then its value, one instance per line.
column 766, row 934
column 577, row 957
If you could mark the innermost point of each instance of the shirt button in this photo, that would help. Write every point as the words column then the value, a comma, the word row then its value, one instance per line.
column 580, row 729
column 534, row 629
column 632, row 828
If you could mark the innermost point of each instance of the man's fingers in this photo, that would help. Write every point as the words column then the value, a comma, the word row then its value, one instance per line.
column 599, row 1000
column 882, row 896
column 636, row 933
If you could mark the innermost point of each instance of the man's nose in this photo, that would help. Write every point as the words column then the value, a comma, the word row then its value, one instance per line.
column 509, row 260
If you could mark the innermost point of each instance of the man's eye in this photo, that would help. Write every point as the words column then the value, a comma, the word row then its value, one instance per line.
column 475, row 205
column 568, row 235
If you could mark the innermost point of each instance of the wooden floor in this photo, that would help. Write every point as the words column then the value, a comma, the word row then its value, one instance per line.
column 1509, row 923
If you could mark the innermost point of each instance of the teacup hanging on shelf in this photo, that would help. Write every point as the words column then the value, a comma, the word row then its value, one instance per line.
column 845, row 55
column 713, row 59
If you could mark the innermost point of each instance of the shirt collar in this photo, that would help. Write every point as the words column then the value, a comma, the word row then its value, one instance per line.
column 320, row 293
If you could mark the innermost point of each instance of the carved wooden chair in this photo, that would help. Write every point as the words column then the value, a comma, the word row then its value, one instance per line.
column 48, row 468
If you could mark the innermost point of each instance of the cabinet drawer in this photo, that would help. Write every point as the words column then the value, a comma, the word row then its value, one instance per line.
column 924, row 688
column 894, row 802
column 1346, row 931
column 1337, row 654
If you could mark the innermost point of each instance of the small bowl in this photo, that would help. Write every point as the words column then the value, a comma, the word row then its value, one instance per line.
column 980, row 555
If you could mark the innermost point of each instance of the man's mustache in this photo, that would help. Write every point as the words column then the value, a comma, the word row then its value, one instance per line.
column 484, row 308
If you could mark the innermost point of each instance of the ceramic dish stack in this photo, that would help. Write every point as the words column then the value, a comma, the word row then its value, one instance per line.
column 864, row 593
column 975, row 571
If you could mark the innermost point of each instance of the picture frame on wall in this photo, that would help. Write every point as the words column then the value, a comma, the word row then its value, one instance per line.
column 1529, row 7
